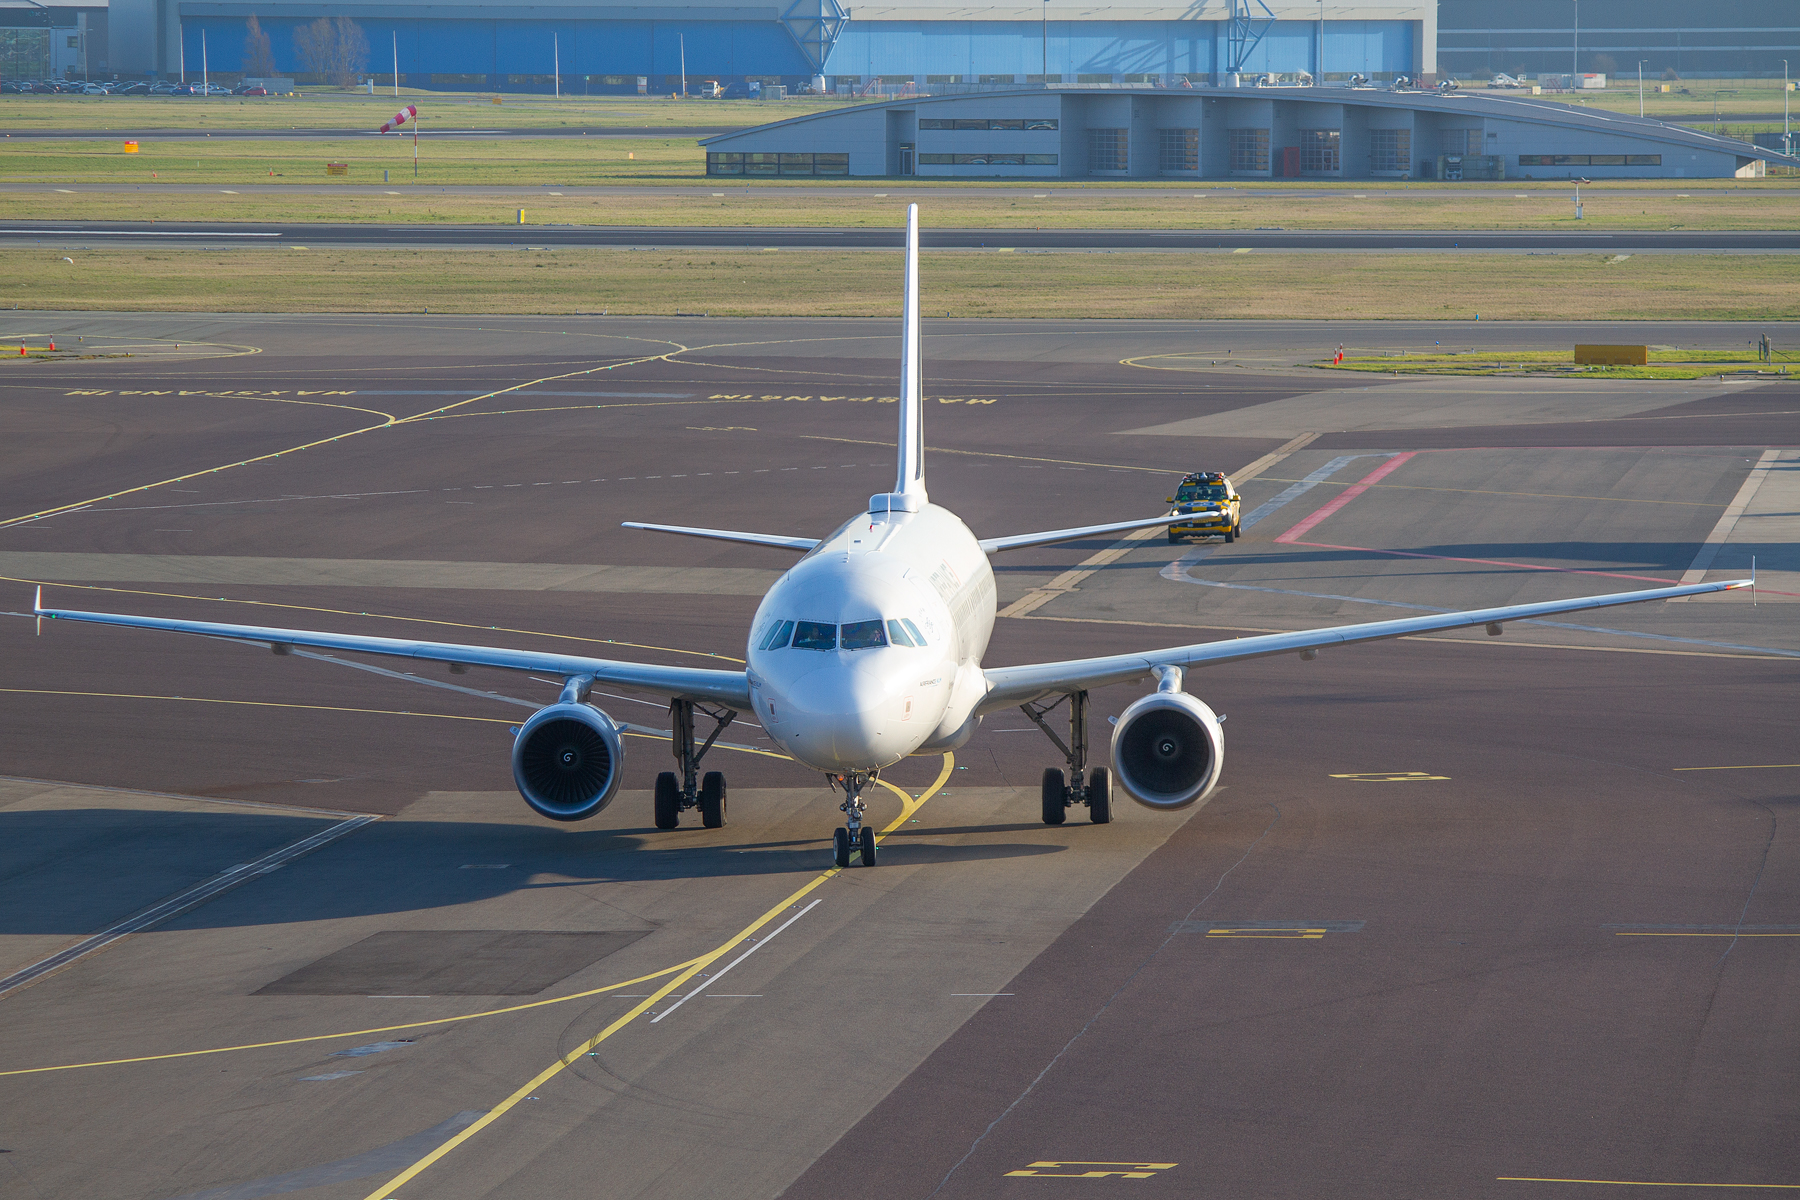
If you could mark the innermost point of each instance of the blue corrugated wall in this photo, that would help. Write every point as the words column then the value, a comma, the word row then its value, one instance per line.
column 494, row 49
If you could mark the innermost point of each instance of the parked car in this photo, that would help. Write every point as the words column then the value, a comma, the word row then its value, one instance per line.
column 94, row 89
column 162, row 88
column 253, row 91
column 139, row 88
column 185, row 89
column 212, row 89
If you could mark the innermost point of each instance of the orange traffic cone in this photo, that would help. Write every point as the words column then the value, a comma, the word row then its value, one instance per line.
column 53, row 345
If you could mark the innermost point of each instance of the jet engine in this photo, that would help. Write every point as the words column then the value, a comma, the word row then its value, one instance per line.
column 1167, row 749
column 567, row 761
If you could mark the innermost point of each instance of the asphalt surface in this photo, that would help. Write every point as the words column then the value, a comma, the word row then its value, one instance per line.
column 161, row 233
column 1464, row 919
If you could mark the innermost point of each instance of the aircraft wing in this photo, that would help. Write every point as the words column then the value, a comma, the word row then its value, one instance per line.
column 729, row 688
column 1009, row 686
column 730, row 535
column 1021, row 540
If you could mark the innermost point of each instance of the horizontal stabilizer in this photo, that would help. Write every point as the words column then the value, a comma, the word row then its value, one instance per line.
column 1020, row 541
column 729, row 535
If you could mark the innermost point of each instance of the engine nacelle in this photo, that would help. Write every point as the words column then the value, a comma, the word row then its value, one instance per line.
column 1167, row 750
column 567, row 761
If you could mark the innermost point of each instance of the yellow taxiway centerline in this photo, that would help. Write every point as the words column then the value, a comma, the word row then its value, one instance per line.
column 909, row 805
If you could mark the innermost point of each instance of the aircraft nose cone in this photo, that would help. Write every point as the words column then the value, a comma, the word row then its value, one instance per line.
column 841, row 719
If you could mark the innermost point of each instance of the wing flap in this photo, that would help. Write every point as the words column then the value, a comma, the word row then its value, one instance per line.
column 1009, row 686
column 730, row 688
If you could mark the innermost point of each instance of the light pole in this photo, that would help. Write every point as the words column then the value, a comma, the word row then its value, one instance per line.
column 1575, row 57
column 396, row 36
column 1787, row 139
column 1640, row 87
column 1044, row 13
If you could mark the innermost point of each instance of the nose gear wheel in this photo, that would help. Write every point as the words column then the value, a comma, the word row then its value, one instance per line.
column 854, row 836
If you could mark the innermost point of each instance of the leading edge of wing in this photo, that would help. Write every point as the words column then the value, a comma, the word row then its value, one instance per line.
column 1008, row 686
column 730, row 535
column 1020, row 540
column 730, row 688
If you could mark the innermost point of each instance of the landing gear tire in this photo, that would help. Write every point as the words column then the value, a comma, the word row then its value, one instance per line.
column 1099, row 796
column 712, row 799
column 1055, row 799
column 668, row 801
column 840, row 847
column 867, row 850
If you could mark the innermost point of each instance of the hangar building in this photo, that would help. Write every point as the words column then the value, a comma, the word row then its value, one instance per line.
column 1230, row 133
column 490, row 44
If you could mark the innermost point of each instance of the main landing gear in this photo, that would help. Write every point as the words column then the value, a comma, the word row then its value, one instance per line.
column 1081, row 786
column 854, row 836
column 675, row 794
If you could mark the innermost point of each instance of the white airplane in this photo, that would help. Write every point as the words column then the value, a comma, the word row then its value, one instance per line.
column 868, row 650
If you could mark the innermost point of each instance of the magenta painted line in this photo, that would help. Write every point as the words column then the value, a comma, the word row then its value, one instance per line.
column 1350, row 493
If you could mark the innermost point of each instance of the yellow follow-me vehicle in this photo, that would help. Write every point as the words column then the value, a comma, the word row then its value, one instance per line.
column 1210, row 496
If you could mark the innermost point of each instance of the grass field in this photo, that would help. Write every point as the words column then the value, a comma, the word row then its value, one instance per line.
column 1544, row 209
column 336, row 109
column 333, row 108
column 960, row 283
column 1666, row 362
column 1686, row 97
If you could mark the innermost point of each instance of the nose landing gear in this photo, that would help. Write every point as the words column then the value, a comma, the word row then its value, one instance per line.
column 854, row 835
column 1081, row 786
column 675, row 795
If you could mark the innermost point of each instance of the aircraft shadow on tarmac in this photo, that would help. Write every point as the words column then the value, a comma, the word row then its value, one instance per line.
column 74, row 871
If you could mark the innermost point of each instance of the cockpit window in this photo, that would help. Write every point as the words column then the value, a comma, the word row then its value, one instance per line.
column 777, row 636
column 862, row 635
column 815, row 635
column 917, row 637
column 897, row 634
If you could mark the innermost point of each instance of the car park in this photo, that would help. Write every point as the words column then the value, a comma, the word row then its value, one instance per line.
column 1213, row 502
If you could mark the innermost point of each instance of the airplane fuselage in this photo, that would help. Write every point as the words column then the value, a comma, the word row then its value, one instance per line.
column 890, row 617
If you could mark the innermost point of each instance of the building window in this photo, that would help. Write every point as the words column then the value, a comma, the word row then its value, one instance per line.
column 439, row 80
column 1093, row 79
column 1249, row 150
column 1459, row 141
column 987, row 123
column 730, row 163
column 1319, row 152
column 1043, row 79
column 1107, row 150
column 1180, row 151
column 987, row 160
column 1137, row 79
column 1390, row 151
column 1590, row 160
column 943, row 79
column 996, row 78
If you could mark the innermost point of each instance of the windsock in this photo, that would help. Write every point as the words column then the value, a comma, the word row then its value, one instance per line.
column 400, row 118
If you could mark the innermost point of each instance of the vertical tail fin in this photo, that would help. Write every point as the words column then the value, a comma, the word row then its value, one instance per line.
column 909, row 482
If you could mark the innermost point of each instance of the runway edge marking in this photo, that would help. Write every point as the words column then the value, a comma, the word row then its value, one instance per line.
column 909, row 806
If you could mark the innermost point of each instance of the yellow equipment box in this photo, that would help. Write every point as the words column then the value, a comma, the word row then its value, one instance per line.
column 1612, row 356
